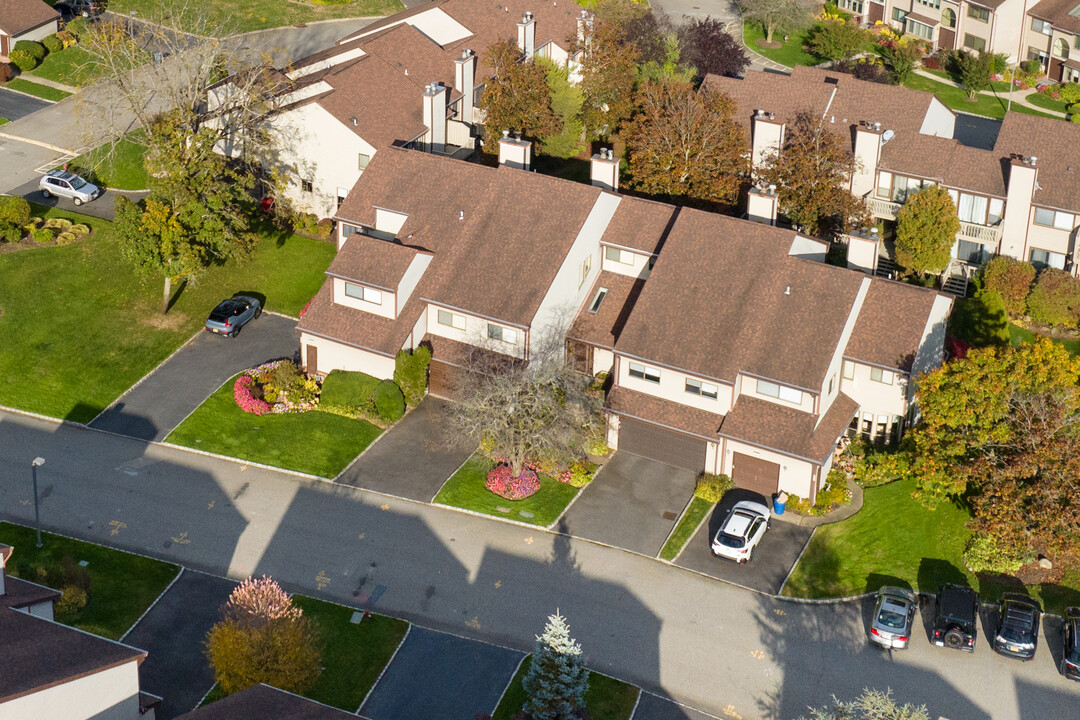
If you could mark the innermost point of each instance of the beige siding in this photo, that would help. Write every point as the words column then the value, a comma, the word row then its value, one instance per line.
column 36, row 34
column 672, row 387
column 796, row 476
column 336, row 356
column 876, row 397
column 630, row 263
column 748, row 386
column 108, row 695
column 603, row 361
column 475, row 332
column 385, row 307
column 833, row 373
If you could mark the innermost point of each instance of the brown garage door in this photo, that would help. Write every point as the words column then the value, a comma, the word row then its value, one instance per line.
column 444, row 380
column 661, row 444
column 755, row 474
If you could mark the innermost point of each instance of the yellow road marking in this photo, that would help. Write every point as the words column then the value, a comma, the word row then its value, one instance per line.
column 182, row 540
column 360, row 536
column 778, row 611
column 730, row 712
column 757, row 654
column 210, row 506
column 384, row 507
column 498, row 583
column 474, row 623
column 322, row 579
column 529, row 540
column 116, row 526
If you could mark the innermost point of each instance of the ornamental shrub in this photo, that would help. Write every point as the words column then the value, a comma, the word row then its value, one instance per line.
column 66, row 38
column 980, row 321
column 711, row 487
column 880, row 468
column 52, row 43
column 79, row 229
column 42, row 235
column 389, row 401
column 14, row 210
column 983, row 554
column 10, row 233
column 1055, row 299
column 72, row 600
column 1069, row 92
column 6, row 73
column 1012, row 278
column 557, row 679
column 502, row 482
column 248, row 402
column 349, row 389
column 66, row 238
column 1074, row 113
column 410, row 373
column 34, row 49
column 323, row 228
column 1030, row 66
column 58, row 223
column 77, row 27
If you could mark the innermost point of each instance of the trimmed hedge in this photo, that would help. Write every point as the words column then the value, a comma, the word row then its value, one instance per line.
column 35, row 49
column 410, row 373
column 14, row 210
column 23, row 60
column 1012, row 279
column 1055, row 299
column 349, row 389
column 711, row 488
column 53, row 43
column 389, row 401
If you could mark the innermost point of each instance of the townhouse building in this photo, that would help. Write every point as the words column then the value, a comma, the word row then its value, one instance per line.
column 1016, row 193
column 730, row 345
column 25, row 20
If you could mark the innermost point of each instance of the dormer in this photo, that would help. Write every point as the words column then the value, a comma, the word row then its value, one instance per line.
column 625, row 261
column 377, row 276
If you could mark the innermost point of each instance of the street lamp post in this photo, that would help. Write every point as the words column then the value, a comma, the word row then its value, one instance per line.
column 38, row 462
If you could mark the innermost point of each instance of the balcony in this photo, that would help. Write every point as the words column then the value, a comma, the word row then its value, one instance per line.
column 883, row 209
column 985, row 234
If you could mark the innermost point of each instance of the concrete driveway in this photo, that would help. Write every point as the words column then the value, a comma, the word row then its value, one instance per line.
column 173, row 633
column 772, row 560
column 14, row 105
column 151, row 409
column 633, row 503
column 436, row 676
column 412, row 459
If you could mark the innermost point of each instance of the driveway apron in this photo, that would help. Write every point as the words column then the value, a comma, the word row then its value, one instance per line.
column 178, row 386
column 633, row 503
column 15, row 105
column 436, row 676
column 412, row 459
column 653, row 707
column 173, row 633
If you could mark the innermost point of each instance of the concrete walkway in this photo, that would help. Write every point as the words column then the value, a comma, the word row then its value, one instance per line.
column 1019, row 97
column 757, row 60
column 30, row 77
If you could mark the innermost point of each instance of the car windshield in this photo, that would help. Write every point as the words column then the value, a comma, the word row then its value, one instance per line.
column 227, row 309
column 731, row 541
column 1016, row 630
column 890, row 618
column 77, row 182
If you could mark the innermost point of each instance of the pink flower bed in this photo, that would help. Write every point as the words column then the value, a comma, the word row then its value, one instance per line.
column 502, row 482
column 247, row 402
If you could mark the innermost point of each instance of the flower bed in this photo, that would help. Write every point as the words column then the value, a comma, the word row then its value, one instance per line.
column 502, row 482
column 248, row 402
column 276, row 387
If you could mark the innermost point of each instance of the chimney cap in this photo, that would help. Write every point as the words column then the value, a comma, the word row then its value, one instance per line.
column 1033, row 159
column 506, row 133
column 772, row 189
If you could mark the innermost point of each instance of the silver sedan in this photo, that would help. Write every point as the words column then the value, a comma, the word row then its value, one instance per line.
column 893, row 617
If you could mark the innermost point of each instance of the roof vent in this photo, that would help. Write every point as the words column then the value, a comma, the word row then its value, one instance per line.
column 461, row 215
column 877, row 126
column 787, row 290
column 506, row 133
column 353, row 121
column 832, row 80
column 1033, row 159
column 772, row 189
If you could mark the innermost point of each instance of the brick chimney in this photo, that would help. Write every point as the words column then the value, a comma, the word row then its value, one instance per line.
column 465, row 81
column 515, row 152
column 527, row 34
column 761, row 205
column 435, row 116
column 766, row 136
column 604, row 170
column 1023, row 179
column 5, row 553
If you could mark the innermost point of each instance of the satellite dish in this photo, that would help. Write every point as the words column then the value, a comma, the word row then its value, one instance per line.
column 887, row 136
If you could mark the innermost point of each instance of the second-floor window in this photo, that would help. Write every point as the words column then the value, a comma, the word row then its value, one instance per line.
column 780, row 392
column 1054, row 219
column 977, row 209
column 898, row 187
column 619, row 256
column 306, row 186
column 899, row 15
column 502, row 334
column 704, row 389
column 642, row 372
column 586, row 267
column 849, row 370
column 930, row 3
column 881, row 376
column 363, row 293
column 1041, row 26
column 451, row 319
column 980, row 14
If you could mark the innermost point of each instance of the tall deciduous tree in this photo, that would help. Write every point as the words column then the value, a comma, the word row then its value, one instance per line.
column 607, row 80
column 811, row 176
column 517, row 97
column 686, row 144
column 557, row 679
column 974, row 70
column 710, row 50
column 837, row 39
column 926, row 228
column 778, row 16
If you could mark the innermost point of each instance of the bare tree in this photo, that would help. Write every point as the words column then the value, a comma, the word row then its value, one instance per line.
column 778, row 16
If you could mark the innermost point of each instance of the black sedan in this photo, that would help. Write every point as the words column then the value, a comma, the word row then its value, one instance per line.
column 233, row 314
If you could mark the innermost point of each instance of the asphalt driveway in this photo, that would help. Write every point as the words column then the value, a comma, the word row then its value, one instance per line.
column 773, row 558
column 412, row 459
column 633, row 503
column 436, row 676
column 654, row 707
column 173, row 633
column 15, row 105
column 151, row 410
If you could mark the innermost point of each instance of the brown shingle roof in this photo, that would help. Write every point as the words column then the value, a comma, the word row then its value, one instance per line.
column 1057, row 12
column 639, row 224
column 624, row 401
column 372, row 261
column 724, row 297
column 389, row 103
column 18, row 16
column 23, row 593
column 1056, row 144
column 39, row 653
column 262, row 702
column 891, row 324
column 775, row 427
column 356, row 327
column 602, row 328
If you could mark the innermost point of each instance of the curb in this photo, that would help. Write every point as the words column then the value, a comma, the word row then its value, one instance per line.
column 39, row 143
column 153, row 604
column 239, row 461
column 35, row 97
column 315, row 23
column 798, row 559
column 408, row 629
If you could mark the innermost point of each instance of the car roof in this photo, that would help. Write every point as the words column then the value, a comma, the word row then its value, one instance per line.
column 1019, row 601
column 897, row 593
column 62, row 174
column 738, row 522
column 752, row 507
column 956, row 600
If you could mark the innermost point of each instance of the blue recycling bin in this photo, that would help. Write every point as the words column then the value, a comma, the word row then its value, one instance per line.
column 779, row 503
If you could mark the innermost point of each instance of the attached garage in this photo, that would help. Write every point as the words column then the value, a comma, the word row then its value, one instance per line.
column 663, row 445
column 751, row 473
column 444, row 379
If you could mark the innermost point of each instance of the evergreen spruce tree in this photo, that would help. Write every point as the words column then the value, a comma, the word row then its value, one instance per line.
column 557, row 679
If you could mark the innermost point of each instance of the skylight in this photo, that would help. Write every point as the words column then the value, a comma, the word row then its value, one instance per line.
column 598, row 300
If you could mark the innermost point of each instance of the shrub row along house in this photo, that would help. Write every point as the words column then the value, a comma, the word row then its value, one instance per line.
column 1017, row 194
column 413, row 79
column 731, row 346
column 25, row 20
column 1047, row 31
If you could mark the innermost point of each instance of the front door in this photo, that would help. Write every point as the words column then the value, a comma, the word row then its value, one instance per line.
column 875, row 13
column 4, row 45
column 1057, row 67
column 312, row 359
column 946, row 38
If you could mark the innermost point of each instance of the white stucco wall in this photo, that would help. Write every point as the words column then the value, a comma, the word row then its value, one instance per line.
column 796, row 476
column 336, row 356
column 385, row 307
column 748, row 386
column 838, row 352
column 37, row 34
column 1046, row 238
column 932, row 345
column 108, row 695
column 476, row 332
column 672, row 387
column 603, row 361
column 876, row 397
column 638, row 265
column 939, row 119
column 411, row 277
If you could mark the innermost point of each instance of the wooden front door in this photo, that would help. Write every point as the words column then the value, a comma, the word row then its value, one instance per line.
column 312, row 365
column 4, row 45
column 1057, row 67
column 875, row 12
column 947, row 38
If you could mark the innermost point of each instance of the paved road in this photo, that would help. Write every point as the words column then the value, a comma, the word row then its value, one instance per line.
column 15, row 105
column 723, row 10
column 700, row 641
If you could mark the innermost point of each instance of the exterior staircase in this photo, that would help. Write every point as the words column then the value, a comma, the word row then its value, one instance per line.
column 956, row 279
column 887, row 268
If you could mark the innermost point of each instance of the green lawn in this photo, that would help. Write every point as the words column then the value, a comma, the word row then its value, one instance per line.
column 465, row 489
column 606, row 698
column 4, row 121
column 37, row 90
column 233, row 16
column 791, row 54
column 122, row 585
column 956, row 98
column 118, row 166
column 1046, row 102
column 1019, row 335
column 70, row 66
column 312, row 442
column 688, row 523
column 80, row 325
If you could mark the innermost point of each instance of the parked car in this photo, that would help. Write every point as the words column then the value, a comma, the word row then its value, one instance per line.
column 83, row 8
column 956, row 615
column 1070, row 643
column 233, row 314
column 1017, row 633
column 62, row 183
column 742, row 530
column 893, row 617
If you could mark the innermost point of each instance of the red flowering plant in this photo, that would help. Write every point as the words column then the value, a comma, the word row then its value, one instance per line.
column 502, row 482
column 248, row 403
column 276, row 387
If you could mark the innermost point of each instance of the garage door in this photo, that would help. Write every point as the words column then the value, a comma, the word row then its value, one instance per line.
column 755, row 474
column 661, row 444
column 444, row 380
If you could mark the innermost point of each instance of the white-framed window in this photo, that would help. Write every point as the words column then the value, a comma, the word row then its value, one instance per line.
column 586, row 268
column 643, row 372
column 620, row 256
column 1041, row 26
column 306, row 186
column 853, row 6
column 884, row 184
column 362, row 161
column 1054, row 219
column 1044, row 259
column 882, row 376
column 974, row 42
column 451, row 319
column 360, row 292
column 780, row 392
column 704, row 389
column 502, row 334
column 849, row 370
column 980, row 14
column 930, row 3
column 919, row 29
column 1060, row 49
column 898, row 15
column 598, row 300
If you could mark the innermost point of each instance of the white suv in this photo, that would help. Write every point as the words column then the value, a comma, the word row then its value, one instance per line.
column 69, row 185
column 742, row 530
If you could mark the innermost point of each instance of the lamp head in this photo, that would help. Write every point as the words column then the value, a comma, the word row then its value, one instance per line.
column 38, row 462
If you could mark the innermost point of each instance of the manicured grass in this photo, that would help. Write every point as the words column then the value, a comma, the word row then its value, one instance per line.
column 80, row 325
column 987, row 105
column 353, row 654
column 1019, row 335
column 606, row 698
column 688, row 523
column 70, row 66
column 4, row 121
column 1046, row 102
column 236, row 16
column 791, row 54
column 465, row 489
column 118, row 166
column 312, row 442
column 37, row 90
column 122, row 585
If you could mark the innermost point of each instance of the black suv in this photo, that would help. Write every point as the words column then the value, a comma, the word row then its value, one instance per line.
column 956, row 613
column 85, row 8
column 1070, row 643
column 1017, row 631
